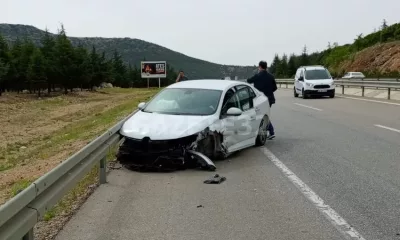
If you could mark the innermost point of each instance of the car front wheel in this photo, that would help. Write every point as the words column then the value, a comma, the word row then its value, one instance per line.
column 295, row 93
column 303, row 94
column 262, row 131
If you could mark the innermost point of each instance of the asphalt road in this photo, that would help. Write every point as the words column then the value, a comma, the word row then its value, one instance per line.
column 341, row 152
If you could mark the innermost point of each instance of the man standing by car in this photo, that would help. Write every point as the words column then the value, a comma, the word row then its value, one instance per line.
column 265, row 82
column 181, row 77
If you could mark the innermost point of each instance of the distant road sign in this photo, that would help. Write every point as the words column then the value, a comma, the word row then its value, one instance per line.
column 154, row 69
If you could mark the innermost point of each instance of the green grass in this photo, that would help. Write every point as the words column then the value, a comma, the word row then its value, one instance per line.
column 84, row 130
column 19, row 186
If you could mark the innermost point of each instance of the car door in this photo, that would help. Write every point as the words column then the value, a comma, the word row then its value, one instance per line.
column 301, row 80
column 297, row 82
column 249, row 124
column 228, row 124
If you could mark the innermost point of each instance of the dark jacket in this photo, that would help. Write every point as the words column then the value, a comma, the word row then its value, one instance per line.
column 265, row 82
column 184, row 78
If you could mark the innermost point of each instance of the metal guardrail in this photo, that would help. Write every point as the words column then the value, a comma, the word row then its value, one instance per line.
column 389, row 84
column 19, row 215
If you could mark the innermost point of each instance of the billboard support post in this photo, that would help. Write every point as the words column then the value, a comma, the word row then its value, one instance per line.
column 159, row 83
column 148, row 85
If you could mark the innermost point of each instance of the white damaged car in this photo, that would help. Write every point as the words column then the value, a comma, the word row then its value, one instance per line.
column 189, row 123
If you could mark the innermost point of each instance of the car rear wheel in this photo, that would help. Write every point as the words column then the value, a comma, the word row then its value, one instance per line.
column 262, row 131
column 295, row 93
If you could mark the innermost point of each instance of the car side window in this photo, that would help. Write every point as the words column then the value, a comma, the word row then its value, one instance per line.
column 230, row 100
column 252, row 93
column 245, row 99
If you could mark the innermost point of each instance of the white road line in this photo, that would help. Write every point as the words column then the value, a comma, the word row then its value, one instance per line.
column 370, row 100
column 308, row 107
column 388, row 128
column 341, row 225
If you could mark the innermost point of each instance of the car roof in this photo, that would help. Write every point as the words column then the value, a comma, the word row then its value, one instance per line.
column 213, row 84
column 313, row 67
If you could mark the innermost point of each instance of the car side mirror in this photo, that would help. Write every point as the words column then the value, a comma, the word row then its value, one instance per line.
column 301, row 78
column 234, row 112
column 141, row 105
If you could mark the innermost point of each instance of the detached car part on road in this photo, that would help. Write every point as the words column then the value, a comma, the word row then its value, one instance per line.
column 189, row 123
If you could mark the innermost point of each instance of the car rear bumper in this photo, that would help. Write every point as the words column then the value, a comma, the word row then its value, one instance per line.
column 320, row 92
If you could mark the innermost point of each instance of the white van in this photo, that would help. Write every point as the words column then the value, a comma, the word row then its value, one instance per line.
column 313, row 81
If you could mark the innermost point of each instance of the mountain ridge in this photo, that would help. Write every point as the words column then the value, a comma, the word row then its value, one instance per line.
column 134, row 50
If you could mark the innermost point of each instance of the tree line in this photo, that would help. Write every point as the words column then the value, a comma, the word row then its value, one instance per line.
column 57, row 64
column 285, row 66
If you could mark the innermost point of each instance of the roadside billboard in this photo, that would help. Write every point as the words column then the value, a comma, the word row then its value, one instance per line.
column 154, row 69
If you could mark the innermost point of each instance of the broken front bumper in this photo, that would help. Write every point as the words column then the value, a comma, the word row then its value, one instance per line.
column 194, row 151
column 165, row 155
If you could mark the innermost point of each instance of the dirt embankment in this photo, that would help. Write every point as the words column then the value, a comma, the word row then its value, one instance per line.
column 36, row 134
column 382, row 58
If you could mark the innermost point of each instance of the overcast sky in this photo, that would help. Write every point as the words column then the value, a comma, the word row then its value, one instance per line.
column 239, row 32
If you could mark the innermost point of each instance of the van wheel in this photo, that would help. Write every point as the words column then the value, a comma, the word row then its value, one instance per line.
column 303, row 94
column 295, row 93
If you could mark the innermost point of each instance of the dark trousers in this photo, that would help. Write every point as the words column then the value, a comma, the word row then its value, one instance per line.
column 270, row 126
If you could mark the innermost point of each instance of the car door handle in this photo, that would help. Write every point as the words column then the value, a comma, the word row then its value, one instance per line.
column 257, row 109
column 253, row 118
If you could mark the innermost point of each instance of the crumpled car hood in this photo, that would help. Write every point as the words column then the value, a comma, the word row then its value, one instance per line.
column 163, row 126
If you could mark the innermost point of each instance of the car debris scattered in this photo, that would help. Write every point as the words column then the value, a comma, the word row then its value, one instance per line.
column 216, row 179
column 195, row 151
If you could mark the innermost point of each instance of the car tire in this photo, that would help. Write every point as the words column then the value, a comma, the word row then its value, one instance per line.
column 295, row 93
column 303, row 94
column 332, row 95
column 262, row 131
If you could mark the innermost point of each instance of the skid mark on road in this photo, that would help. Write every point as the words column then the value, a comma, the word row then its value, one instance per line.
column 302, row 105
column 370, row 100
column 388, row 128
column 340, row 224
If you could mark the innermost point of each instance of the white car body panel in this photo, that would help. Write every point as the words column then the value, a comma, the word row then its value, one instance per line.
column 163, row 126
column 239, row 132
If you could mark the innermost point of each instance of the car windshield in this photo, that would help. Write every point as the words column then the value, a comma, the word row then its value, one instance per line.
column 185, row 101
column 317, row 74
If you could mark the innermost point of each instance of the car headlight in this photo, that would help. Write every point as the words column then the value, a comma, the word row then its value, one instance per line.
column 309, row 84
column 333, row 84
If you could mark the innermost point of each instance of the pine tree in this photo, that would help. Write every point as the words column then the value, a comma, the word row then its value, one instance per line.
column 119, row 71
column 3, row 73
column 292, row 68
column 304, row 59
column 37, row 70
column 284, row 66
column 48, row 50
column 82, row 67
column 64, row 59
column 274, row 68
column 384, row 24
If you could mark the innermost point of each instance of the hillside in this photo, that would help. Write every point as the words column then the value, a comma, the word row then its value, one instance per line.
column 376, row 55
column 382, row 58
column 135, row 50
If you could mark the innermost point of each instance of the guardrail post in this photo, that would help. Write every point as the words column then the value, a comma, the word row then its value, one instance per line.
column 103, row 173
column 29, row 235
column 362, row 91
column 280, row 85
column 286, row 85
column 388, row 94
column 342, row 89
